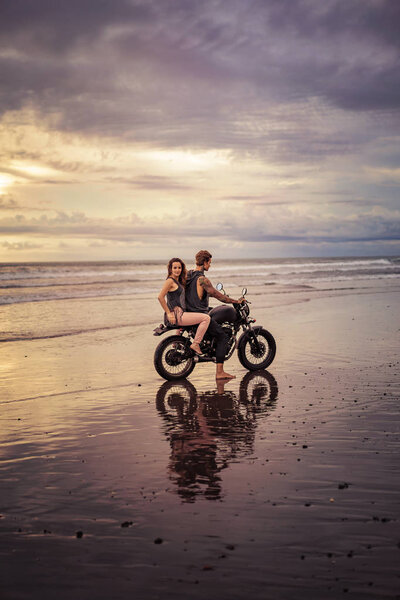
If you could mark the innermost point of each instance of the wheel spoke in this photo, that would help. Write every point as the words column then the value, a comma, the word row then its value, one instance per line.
column 257, row 355
column 256, row 349
column 172, row 358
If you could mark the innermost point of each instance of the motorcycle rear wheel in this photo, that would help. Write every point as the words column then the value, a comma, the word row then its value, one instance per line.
column 256, row 356
column 172, row 358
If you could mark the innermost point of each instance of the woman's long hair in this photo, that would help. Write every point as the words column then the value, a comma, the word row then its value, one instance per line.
column 183, row 275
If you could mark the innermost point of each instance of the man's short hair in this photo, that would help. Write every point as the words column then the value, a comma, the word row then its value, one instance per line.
column 202, row 257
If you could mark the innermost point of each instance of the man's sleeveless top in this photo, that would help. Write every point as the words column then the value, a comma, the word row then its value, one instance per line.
column 193, row 302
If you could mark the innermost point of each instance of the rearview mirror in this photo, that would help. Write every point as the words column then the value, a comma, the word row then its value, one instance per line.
column 219, row 286
column 244, row 291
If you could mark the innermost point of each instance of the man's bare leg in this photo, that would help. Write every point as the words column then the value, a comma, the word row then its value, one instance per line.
column 220, row 374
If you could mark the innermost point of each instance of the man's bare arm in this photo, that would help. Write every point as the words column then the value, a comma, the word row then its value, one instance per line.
column 211, row 291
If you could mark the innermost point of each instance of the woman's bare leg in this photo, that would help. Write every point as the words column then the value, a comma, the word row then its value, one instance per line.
column 192, row 319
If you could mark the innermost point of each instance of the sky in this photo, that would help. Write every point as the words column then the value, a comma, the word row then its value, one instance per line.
column 139, row 130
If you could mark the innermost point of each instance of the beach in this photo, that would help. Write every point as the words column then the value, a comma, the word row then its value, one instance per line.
column 279, row 484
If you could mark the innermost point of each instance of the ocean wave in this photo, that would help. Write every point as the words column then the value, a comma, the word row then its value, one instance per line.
column 63, row 281
column 306, row 266
column 6, row 286
column 152, row 271
column 62, row 274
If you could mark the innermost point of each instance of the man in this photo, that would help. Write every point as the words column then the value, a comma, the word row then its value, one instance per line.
column 198, row 291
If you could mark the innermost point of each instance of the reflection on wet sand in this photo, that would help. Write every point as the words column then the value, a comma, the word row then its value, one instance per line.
column 208, row 430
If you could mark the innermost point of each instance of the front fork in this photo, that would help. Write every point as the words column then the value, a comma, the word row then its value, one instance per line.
column 252, row 337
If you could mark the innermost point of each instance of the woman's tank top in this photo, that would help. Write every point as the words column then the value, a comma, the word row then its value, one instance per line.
column 176, row 300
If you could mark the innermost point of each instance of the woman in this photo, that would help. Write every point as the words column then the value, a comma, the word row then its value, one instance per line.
column 172, row 299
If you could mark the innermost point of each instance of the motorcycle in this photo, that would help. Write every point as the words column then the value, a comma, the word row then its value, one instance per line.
column 256, row 347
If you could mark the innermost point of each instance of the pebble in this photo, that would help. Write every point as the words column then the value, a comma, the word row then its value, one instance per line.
column 126, row 523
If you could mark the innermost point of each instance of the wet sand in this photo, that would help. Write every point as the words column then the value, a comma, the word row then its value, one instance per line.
column 280, row 484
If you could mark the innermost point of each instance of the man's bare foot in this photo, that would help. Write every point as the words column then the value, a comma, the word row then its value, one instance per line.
column 195, row 347
column 223, row 375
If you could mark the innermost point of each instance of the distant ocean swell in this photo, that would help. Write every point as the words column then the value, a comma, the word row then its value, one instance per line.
column 41, row 284
column 35, row 282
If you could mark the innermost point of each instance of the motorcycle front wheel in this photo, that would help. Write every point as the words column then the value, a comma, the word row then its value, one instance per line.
column 173, row 359
column 256, row 349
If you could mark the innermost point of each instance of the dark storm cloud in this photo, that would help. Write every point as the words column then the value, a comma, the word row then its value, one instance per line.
column 56, row 26
column 347, row 51
column 46, row 50
column 206, row 74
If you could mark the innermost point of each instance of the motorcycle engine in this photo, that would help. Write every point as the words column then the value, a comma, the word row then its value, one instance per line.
column 208, row 343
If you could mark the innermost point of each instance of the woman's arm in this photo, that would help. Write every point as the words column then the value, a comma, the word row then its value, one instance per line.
column 161, row 298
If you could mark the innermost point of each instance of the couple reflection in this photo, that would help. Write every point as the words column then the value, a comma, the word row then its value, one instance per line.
column 208, row 430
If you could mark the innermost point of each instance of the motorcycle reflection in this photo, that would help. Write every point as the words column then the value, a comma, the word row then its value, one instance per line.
column 207, row 431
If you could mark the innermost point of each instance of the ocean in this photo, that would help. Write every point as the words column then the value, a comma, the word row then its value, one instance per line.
column 35, row 282
column 49, row 300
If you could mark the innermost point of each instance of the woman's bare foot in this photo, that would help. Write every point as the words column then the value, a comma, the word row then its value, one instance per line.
column 196, row 348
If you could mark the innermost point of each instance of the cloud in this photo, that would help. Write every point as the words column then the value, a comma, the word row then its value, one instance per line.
column 56, row 27
column 22, row 246
column 300, row 97
column 179, row 73
column 151, row 182
column 257, row 200
column 8, row 203
column 257, row 225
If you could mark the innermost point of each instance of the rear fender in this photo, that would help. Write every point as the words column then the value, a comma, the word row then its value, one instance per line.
column 161, row 329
